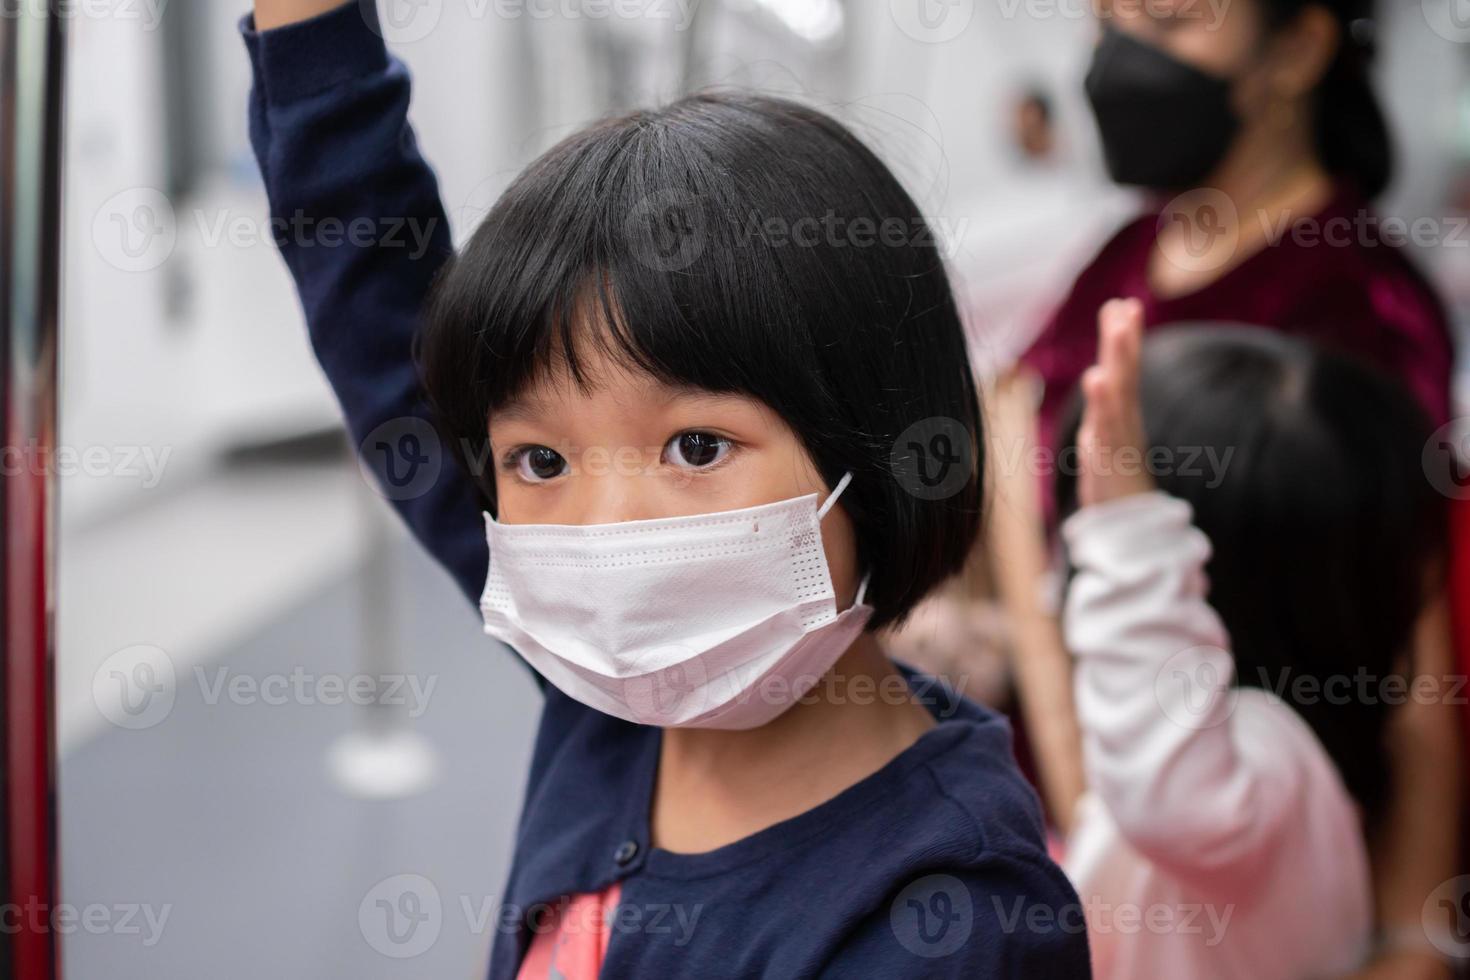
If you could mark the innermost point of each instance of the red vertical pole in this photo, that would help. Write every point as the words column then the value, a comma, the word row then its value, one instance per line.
column 30, row 196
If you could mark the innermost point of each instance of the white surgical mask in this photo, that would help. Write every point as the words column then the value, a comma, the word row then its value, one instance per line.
column 709, row 621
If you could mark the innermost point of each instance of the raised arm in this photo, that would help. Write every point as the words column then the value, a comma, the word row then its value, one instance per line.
column 1162, row 736
column 1041, row 664
column 357, row 216
column 1155, row 694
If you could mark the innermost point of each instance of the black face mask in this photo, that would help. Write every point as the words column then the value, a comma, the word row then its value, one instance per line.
column 1165, row 124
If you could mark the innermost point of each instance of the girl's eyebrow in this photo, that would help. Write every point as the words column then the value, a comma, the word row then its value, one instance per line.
column 686, row 395
column 519, row 410
column 696, row 393
column 532, row 409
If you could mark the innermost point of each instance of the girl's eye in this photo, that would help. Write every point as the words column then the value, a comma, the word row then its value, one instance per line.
column 696, row 450
column 536, row 464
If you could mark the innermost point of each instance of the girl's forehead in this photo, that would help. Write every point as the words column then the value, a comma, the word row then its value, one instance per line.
column 600, row 375
column 603, row 374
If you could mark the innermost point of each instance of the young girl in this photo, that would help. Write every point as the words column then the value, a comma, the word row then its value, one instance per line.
column 705, row 368
column 1233, row 724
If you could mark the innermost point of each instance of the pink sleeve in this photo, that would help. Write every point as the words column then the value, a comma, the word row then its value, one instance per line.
column 1164, row 746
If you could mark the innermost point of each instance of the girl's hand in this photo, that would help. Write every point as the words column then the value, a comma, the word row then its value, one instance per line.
column 1111, row 444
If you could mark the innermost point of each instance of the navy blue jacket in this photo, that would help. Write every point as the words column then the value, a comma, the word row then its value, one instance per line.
column 934, row 866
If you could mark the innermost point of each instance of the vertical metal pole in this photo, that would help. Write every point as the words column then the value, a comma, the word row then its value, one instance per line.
column 30, row 229
column 382, row 757
column 692, row 46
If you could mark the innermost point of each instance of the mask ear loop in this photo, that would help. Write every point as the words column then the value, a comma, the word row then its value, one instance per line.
column 831, row 500
column 827, row 505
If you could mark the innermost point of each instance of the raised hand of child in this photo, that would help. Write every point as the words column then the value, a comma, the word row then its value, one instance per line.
column 1111, row 444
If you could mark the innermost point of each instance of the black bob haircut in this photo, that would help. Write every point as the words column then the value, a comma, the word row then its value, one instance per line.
column 739, row 244
column 1327, row 534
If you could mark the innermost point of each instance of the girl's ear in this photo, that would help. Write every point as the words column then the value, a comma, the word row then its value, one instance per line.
column 1304, row 51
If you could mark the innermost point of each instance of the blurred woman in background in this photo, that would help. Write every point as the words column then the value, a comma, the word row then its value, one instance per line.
column 1256, row 125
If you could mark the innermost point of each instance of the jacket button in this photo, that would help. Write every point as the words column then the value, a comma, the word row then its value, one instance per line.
column 626, row 852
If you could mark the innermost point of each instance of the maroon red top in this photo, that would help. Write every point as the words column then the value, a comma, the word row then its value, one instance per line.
column 1342, row 286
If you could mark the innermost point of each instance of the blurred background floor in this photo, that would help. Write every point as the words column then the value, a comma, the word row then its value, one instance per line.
column 222, row 816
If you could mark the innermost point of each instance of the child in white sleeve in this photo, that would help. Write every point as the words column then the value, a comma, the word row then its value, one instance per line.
column 1239, row 629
